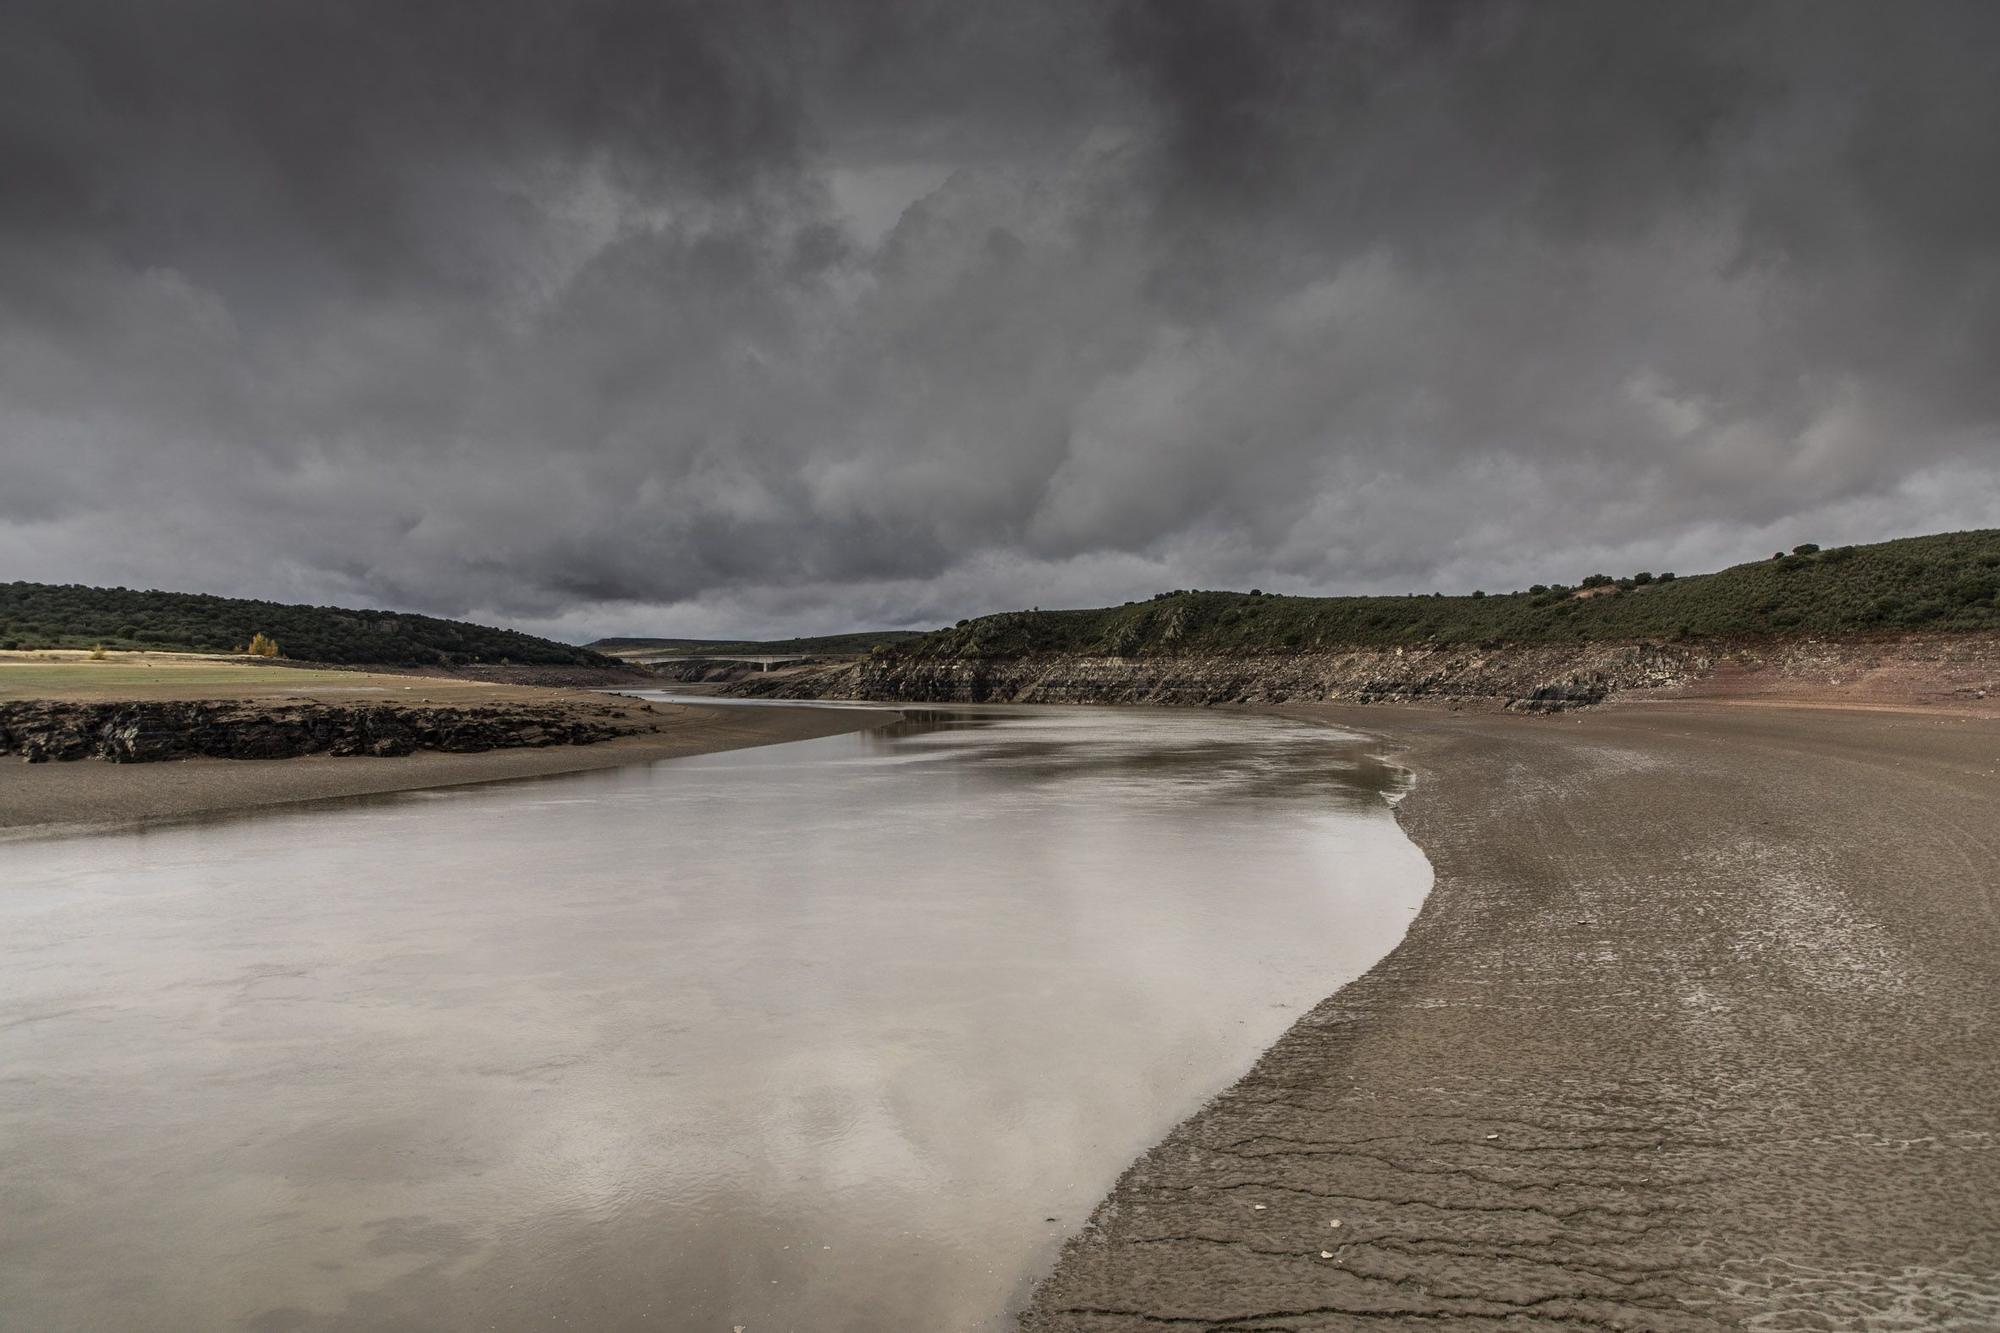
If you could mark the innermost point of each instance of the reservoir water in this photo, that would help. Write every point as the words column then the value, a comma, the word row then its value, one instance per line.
column 846, row 1034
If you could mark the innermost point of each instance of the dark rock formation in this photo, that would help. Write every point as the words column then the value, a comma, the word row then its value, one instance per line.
column 40, row 730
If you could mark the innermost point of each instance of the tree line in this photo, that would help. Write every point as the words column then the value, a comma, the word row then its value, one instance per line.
column 48, row 615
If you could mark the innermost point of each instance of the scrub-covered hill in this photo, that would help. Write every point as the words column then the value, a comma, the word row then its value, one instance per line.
column 1946, row 582
column 832, row 645
column 1910, row 620
column 49, row 615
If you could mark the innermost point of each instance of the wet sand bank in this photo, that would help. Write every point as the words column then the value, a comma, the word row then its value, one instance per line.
column 1698, row 1030
column 42, row 799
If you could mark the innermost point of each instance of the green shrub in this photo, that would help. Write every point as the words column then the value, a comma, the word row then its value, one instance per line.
column 1975, row 588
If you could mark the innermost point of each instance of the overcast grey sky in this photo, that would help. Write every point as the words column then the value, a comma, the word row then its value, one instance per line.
column 725, row 318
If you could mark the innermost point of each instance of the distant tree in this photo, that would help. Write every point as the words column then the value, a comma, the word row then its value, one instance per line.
column 1538, row 588
column 1667, row 577
column 1642, row 578
column 1478, row 592
column 262, row 645
column 1806, row 548
column 1596, row 581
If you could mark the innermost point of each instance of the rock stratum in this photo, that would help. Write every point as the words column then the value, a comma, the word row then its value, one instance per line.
column 144, row 732
column 1532, row 677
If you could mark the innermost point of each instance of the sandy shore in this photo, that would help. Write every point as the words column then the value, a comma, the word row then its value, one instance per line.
column 38, row 800
column 1700, row 1029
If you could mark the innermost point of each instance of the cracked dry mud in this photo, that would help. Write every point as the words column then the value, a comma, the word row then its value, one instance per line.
column 1699, row 1030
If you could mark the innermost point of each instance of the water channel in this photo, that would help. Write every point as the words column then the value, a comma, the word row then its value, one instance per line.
column 845, row 1034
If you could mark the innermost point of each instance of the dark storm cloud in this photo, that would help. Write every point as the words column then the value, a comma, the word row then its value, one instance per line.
column 715, row 317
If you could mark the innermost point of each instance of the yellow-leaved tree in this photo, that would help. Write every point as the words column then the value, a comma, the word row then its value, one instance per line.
column 263, row 645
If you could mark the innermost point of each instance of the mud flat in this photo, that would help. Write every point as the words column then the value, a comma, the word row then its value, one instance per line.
column 1699, row 1030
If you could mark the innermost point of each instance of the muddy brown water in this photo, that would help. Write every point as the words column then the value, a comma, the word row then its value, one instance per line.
column 844, row 1034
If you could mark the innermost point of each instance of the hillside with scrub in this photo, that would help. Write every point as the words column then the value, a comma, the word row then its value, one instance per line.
column 1947, row 582
column 49, row 615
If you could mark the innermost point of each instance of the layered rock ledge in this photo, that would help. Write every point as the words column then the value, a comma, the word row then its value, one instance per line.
column 1523, row 677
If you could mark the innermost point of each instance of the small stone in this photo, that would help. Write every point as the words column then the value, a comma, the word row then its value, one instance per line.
column 1334, row 1223
column 1258, row 1206
column 1492, row 1136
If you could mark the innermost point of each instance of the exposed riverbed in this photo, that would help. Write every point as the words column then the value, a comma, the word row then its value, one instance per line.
column 842, row 1034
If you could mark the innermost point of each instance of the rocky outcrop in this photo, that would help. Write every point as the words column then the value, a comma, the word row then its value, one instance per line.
column 1526, row 677
column 40, row 730
column 1538, row 678
column 703, row 670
